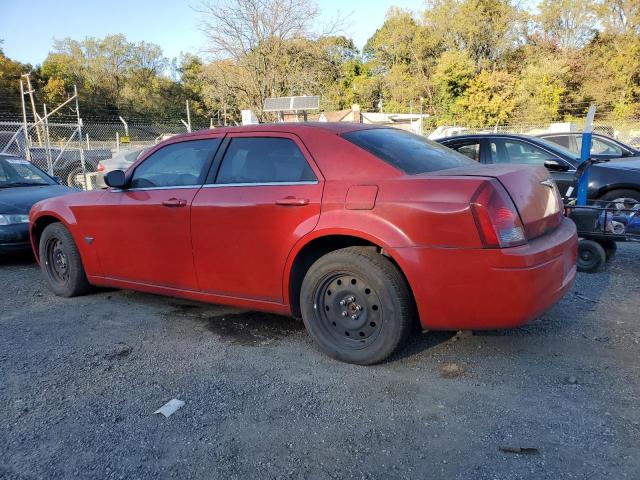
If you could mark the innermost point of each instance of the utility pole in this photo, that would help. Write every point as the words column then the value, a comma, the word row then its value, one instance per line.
column 27, row 151
column 82, row 163
column 188, row 117
column 47, row 141
column 36, row 117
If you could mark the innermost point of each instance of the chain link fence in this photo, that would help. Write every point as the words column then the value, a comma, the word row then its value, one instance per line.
column 73, row 151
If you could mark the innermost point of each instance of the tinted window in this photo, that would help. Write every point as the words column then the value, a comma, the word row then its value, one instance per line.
column 468, row 149
column 513, row 151
column 406, row 151
column 264, row 160
column 176, row 165
column 563, row 140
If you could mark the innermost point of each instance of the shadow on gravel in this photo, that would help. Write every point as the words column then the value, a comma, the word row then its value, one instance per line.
column 17, row 259
column 419, row 342
column 253, row 328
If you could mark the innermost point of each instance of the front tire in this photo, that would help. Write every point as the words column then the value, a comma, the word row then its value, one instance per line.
column 60, row 262
column 356, row 305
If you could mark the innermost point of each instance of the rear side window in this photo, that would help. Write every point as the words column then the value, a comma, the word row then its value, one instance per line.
column 264, row 160
column 406, row 151
column 469, row 149
column 563, row 140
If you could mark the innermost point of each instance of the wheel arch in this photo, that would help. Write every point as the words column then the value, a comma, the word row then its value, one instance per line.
column 38, row 226
column 618, row 186
column 313, row 247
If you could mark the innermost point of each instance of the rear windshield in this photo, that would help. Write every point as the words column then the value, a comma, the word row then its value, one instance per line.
column 406, row 151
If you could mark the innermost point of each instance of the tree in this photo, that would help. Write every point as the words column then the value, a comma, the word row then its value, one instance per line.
column 451, row 78
column 570, row 23
column 486, row 29
column 540, row 89
column 264, row 43
column 488, row 100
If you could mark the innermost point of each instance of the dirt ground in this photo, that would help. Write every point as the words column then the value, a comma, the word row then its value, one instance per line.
column 80, row 379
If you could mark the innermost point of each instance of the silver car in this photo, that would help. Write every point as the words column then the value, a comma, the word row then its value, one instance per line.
column 120, row 161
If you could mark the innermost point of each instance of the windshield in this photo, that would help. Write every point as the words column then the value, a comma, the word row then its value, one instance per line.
column 554, row 147
column 406, row 151
column 16, row 172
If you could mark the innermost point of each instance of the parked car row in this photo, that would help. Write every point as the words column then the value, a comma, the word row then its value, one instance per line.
column 365, row 232
column 618, row 178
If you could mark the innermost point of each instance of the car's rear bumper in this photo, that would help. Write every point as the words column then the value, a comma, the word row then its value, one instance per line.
column 490, row 288
column 14, row 238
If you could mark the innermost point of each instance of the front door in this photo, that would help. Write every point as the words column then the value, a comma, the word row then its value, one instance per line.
column 265, row 196
column 142, row 233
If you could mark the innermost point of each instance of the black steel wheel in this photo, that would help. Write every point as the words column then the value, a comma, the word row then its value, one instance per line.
column 591, row 256
column 356, row 305
column 349, row 309
column 60, row 262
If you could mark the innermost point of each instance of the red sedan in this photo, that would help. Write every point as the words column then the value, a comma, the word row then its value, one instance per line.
column 362, row 231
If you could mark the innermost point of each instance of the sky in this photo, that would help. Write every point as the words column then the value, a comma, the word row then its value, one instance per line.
column 28, row 28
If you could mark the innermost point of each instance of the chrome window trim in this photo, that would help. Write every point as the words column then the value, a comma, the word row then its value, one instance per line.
column 142, row 189
column 215, row 185
column 259, row 184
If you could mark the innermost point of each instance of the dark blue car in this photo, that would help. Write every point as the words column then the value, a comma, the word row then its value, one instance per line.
column 617, row 179
column 21, row 185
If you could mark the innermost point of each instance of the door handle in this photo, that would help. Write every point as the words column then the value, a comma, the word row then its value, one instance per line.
column 174, row 203
column 292, row 201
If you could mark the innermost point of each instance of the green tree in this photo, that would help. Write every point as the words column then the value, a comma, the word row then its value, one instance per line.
column 488, row 100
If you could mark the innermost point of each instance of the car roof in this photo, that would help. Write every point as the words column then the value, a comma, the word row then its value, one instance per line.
column 484, row 135
column 336, row 128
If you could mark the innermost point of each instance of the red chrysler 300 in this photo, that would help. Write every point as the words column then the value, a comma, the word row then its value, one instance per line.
column 363, row 231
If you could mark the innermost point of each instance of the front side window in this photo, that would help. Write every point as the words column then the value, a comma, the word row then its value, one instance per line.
column 264, row 160
column 513, row 151
column 600, row 146
column 406, row 151
column 176, row 165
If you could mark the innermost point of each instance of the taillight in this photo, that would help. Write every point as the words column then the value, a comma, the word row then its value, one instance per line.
column 496, row 217
column 100, row 167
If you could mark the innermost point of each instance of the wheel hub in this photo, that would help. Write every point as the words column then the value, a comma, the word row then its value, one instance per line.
column 350, row 310
column 57, row 261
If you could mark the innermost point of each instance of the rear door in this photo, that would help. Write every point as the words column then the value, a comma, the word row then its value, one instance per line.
column 264, row 197
column 142, row 233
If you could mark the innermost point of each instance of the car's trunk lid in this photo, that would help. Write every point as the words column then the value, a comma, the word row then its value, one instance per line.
column 532, row 190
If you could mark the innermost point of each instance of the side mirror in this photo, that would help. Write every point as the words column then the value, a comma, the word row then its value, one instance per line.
column 58, row 180
column 555, row 166
column 116, row 179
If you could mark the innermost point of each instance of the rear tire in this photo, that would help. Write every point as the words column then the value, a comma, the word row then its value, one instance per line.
column 357, row 305
column 591, row 256
column 60, row 262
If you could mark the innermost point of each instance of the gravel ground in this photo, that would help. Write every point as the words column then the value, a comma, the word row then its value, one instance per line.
column 80, row 379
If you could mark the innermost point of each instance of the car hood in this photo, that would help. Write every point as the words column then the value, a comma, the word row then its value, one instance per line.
column 628, row 163
column 19, row 200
